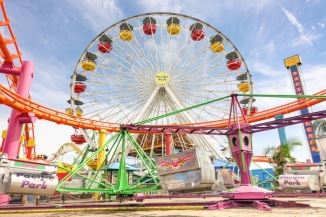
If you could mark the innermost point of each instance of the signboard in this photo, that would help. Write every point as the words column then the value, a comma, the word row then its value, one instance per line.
column 310, row 182
column 186, row 160
column 24, row 183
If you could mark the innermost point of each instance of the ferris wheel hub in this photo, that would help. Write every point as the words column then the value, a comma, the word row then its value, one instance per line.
column 162, row 78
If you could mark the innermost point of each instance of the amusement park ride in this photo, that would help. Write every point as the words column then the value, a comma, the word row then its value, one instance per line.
column 154, row 94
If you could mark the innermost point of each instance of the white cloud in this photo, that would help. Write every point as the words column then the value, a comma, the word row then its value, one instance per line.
column 321, row 25
column 312, row 76
column 265, row 69
column 50, row 136
column 282, row 84
column 164, row 6
column 305, row 37
column 100, row 13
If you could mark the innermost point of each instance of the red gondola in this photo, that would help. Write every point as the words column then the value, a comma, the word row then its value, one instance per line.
column 105, row 44
column 234, row 64
column 149, row 29
column 104, row 47
column 79, row 87
column 197, row 32
column 197, row 35
column 253, row 110
column 149, row 26
column 78, row 139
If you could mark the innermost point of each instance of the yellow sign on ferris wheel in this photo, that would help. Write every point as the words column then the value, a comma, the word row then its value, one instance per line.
column 162, row 78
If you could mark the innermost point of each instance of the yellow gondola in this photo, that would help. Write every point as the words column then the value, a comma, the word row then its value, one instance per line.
column 174, row 26
column 69, row 111
column 244, row 86
column 126, row 35
column 79, row 112
column 126, row 32
column 216, row 43
column 174, row 29
column 217, row 47
column 88, row 65
column 92, row 164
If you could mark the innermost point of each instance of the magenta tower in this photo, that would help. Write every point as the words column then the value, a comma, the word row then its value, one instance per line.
column 293, row 64
column 17, row 119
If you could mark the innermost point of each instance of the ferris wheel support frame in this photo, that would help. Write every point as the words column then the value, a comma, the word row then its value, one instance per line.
column 147, row 104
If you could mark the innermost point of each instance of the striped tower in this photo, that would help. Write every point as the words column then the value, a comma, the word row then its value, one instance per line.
column 293, row 63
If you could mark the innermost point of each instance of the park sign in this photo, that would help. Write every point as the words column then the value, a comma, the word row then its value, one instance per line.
column 27, row 177
column 24, row 183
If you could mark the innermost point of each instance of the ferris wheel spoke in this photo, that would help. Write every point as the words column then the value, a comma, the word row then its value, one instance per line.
column 125, row 75
column 202, row 97
column 157, row 62
column 149, row 55
column 185, row 75
column 94, row 102
column 124, row 88
column 126, row 112
column 137, row 65
column 187, row 80
column 131, row 112
column 122, row 66
column 198, row 69
column 143, row 62
column 231, row 82
column 149, row 60
column 101, row 85
column 171, row 67
column 191, row 61
column 95, row 92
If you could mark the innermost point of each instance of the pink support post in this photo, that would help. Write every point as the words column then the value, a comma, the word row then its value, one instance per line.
column 241, row 149
column 168, row 143
column 12, row 141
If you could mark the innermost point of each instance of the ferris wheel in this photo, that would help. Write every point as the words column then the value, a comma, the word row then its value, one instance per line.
column 151, row 64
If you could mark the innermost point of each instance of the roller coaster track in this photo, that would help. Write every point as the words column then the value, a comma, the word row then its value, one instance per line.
column 65, row 148
column 9, row 50
column 14, row 101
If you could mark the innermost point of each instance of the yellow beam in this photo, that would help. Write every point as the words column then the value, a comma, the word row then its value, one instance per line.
column 100, row 155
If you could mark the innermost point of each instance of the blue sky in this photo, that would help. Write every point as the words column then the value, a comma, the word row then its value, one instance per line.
column 53, row 34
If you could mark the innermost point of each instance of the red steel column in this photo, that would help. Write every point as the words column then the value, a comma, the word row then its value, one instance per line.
column 168, row 143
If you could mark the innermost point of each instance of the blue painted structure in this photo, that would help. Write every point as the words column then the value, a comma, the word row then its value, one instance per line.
column 281, row 131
